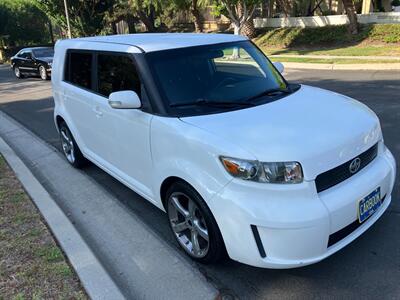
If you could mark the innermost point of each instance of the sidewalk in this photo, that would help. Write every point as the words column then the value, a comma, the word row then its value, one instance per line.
column 337, row 62
column 394, row 58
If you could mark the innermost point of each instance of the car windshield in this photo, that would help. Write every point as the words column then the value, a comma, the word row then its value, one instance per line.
column 207, row 79
column 43, row 52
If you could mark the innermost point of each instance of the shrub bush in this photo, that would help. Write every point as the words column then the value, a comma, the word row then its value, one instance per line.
column 327, row 36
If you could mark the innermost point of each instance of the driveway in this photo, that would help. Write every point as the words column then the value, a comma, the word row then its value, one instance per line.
column 367, row 268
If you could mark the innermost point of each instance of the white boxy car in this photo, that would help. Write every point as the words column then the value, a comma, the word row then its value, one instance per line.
column 205, row 127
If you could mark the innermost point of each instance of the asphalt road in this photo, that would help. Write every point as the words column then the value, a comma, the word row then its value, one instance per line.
column 367, row 268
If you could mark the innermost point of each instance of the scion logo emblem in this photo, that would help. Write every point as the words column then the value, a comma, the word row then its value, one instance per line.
column 355, row 165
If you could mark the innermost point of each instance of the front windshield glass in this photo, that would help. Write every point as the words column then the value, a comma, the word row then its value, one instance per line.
column 230, row 72
column 43, row 52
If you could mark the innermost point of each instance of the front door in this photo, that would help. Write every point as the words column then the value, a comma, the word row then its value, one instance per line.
column 122, row 135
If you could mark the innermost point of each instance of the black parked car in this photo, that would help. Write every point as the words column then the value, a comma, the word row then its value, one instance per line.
column 30, row 61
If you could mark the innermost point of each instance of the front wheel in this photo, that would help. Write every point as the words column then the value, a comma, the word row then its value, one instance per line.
column 43, row 73
column 70, row 149
column 193, row 224
column 17, row 72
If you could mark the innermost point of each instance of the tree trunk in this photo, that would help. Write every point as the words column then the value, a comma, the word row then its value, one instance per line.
column 236, row 28
column 131, row 24
column 248, row 29
column 351, row 14
column 285, row 6
column 51, row 33
column 114, row 27
column 148, row 21
column 198, row 18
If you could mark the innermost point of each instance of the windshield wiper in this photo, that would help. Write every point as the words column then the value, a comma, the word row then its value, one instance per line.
column 206, row 102
column 270, row 92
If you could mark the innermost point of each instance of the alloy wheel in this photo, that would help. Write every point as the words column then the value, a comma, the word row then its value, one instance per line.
column 67, row 145
column 42, row 72
column 17, row 72
column 188, row 224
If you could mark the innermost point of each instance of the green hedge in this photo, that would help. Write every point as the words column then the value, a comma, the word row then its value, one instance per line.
column 327, row 36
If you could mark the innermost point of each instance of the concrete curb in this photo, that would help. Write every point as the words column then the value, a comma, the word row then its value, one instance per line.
column 118, row 256
column 93, row 276
column 355, row 67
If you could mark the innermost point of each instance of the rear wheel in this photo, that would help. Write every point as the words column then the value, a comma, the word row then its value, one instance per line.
column 17, row 72
column 69, row 147
column 193, row 224
column 43, row 73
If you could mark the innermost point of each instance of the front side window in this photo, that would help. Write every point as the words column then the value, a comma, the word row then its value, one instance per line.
column 197, row 80
column 79, row 69
column 25, row 54
column 116, row 73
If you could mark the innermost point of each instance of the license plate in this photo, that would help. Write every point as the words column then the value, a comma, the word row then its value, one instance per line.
column 369, row 205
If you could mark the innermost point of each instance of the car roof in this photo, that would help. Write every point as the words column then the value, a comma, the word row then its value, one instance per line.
column 34, row 48
column 149, row 42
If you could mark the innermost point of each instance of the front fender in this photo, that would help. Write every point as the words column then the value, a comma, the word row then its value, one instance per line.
column 192, row 154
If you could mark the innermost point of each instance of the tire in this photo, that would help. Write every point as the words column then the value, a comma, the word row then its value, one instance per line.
column 70, row 149
column 17, row 72
column 43, row 73
column 199, row 219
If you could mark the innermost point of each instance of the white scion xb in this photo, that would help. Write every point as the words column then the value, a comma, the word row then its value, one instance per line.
column 205, row 127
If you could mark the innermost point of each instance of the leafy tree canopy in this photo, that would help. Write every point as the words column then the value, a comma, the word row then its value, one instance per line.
column 87, row 17
column 22, row 23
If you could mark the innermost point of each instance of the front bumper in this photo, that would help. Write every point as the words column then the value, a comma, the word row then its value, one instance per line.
column 294, row 222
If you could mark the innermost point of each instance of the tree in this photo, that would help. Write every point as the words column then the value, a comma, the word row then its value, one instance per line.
column 121, row 11
column 194, row 6
column 351, row 14
column 198, row 17
column 146, row 11
column 239, row 12
column 87, row 17
column 285, row 6
column 22, row 23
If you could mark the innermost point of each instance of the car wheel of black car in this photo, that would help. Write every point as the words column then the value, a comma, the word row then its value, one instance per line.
column 43, row 73
column 17, row 73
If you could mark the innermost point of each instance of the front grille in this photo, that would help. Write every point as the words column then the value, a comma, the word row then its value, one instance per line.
column 335, row 176
column 344, row 232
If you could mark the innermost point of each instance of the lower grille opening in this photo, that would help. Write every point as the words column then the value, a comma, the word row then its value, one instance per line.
column 344, row 232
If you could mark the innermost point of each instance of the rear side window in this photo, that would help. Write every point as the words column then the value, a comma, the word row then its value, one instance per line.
column 78, row 69
column 116, row 73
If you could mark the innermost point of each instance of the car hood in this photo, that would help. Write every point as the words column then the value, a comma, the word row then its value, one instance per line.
column 318, row 128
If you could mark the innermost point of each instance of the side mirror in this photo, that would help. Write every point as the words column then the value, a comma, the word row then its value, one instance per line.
column 124, row 100
column 279, row 66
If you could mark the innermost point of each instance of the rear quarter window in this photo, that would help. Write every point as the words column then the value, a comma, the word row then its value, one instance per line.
column 78, row 69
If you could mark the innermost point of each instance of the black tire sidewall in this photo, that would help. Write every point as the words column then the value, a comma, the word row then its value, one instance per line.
column 216, row 250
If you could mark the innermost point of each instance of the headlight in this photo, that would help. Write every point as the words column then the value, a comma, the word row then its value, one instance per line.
column 269, row 172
